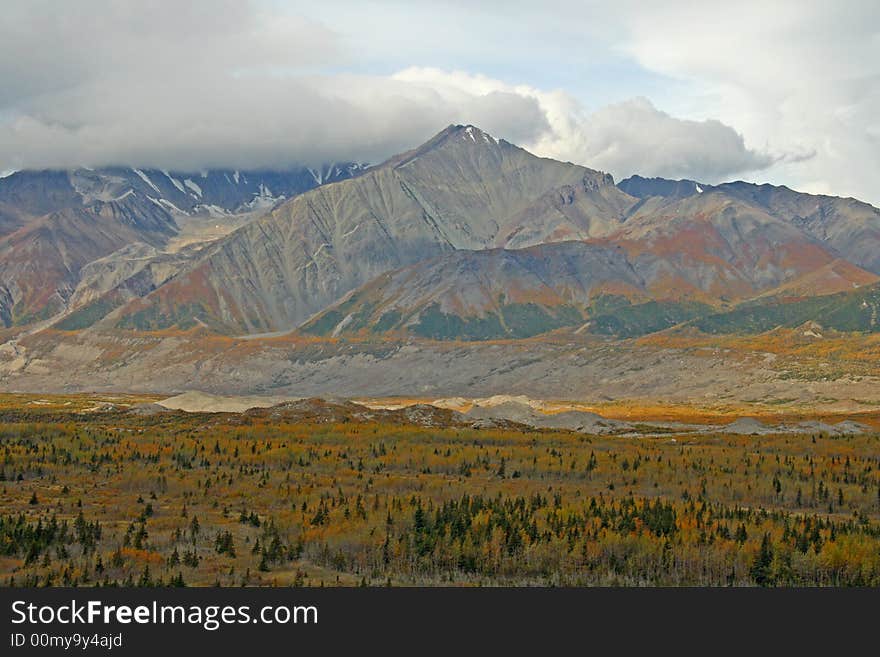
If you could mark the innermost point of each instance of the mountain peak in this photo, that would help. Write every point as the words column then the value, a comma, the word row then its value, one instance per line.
column 476, row 135
column 463, row 131
column 469, row 135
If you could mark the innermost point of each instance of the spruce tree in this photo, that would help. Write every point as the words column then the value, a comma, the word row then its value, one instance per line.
column 761, row 570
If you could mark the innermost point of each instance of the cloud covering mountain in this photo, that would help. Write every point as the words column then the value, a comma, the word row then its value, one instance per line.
column 235, row 85
column 767, row 91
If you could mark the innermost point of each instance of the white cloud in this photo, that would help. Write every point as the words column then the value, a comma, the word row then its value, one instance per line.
column 248, row 122
column 624, row 138
column 209, row 84
column 799, row 79
column 792, row 86
column 173, row 111
column 793, row 76
column 259, row 121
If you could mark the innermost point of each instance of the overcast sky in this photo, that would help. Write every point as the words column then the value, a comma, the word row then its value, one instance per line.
column 775, row 91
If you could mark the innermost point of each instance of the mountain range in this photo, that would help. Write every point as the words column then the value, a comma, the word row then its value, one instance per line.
column 55, row 223
column 465, row 239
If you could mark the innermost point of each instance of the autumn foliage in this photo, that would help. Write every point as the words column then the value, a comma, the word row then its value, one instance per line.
column 201, row 499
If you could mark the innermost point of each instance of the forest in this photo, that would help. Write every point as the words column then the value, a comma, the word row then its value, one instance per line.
column 188, row 499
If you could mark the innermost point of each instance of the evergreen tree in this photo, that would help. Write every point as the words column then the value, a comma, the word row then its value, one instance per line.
column 761, row 570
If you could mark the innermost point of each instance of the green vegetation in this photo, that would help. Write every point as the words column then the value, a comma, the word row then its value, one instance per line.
column 435, row 324
column 514, row 320
column 629, row 321
column 22, row 316
column 388, row 321
column 90, row 313
column 848, row 311
column 608, row 304
column 523, row 320
column 184, row 316
column 617, row 316
column 326, row 322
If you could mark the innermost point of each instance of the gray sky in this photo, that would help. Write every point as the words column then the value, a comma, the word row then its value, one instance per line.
column 784, row 92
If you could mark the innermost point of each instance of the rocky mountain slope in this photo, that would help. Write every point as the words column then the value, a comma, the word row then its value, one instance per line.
column 464, row 190
column 54, row 223
column 851, row 311
column 465, row 265
column 674, row 258
column 849, row 227
column 217, row 191
column 496, row 293
column 461, row 190
column 40, row 262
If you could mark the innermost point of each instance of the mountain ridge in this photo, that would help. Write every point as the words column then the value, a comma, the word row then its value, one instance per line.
column 452, row 193
column 50, row 221
column 467, row 260
column 466, row 190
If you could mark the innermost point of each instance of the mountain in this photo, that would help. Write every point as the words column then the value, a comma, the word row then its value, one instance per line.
column 218, row 191
column 53, row 223
column 848, row 226
column 464, row 266
column 829, row 274
column 40, row 261
column 685, row 250
column 714, row 247
column 463, row 189
column 851, row 311
column 500, row 293
column 484, row 294
column 644, row 188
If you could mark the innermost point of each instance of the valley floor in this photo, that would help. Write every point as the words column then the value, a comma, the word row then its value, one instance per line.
column 101, row 489
column 779, row 371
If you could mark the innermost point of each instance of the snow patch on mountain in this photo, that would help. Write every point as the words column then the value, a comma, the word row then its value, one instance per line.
column 146, row 179
column 194, row 187
column 175, row 182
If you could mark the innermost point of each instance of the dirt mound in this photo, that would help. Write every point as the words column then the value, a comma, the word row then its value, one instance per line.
column 584, row 422
column 815, row 426
column 149, row 409
column 521, row 411
column 748, row 426
column 453, row 403
column 313, row 409
column 512, row 411
column 326, row 411
column 849, row 427
column 427, row 415
column 201, row 402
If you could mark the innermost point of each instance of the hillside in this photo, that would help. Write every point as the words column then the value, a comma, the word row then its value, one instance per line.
column 855, row 310
column 465, row 190
column 55, row 223
column 464, row 266
column 500, row 293
column 452, row 193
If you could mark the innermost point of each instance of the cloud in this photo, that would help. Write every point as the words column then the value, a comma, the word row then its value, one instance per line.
column 624, row 138
column 209, row 84
column 795, row 77
column 47, row 46
column 798, row 79
column 249, row 122
column 245, row 84
column 635, row 137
